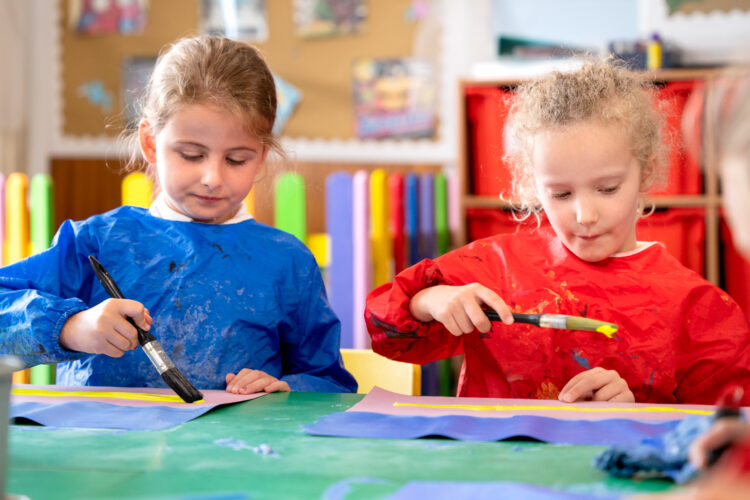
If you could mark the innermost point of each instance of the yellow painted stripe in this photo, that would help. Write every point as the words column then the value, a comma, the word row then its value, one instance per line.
column 554, row 408
column 139, row 396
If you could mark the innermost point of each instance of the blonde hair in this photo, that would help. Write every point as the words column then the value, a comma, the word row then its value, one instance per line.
column 209, row 70
column 599, row 90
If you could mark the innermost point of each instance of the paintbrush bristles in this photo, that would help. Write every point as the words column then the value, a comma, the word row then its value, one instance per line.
column 180, row 385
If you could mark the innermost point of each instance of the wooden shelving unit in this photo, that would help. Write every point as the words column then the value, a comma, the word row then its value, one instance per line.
column 709, row 199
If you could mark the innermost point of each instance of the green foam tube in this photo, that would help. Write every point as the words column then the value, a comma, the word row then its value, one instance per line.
column 41, row 221
column 289, row 205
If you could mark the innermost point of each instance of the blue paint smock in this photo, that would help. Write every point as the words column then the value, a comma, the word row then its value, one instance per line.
column 222, row 298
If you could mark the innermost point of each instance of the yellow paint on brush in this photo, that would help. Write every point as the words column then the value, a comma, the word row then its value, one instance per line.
column 138, row 396
column 593, row 325
column 607, row 330
column 554, row 408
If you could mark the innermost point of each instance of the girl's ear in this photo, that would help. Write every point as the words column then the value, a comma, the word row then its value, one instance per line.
column 147, row 141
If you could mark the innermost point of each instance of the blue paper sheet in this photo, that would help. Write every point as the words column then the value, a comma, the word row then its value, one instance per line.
column 551, row 430
column 105, row 416
column 112, row 407
column 489, row 490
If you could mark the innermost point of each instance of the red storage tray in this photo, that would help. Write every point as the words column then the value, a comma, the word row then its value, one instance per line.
column 685, row 174
column 735, row 271
column 486, row 113
column 682, row 231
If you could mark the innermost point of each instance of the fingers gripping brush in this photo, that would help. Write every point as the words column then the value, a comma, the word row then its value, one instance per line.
column 168, row 371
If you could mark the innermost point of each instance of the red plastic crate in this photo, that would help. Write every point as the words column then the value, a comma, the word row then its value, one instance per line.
column 486, row 112
column 685, row 174
column 682, row 231
column 736, row 271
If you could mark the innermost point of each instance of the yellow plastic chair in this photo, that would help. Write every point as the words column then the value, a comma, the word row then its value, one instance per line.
column 371, row 369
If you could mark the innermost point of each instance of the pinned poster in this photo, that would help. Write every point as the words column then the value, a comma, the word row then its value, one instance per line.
column 236, row 19
column 340, row 229
column 393, row 98
column 323, row 18
column 287, row 98
column 103, row 17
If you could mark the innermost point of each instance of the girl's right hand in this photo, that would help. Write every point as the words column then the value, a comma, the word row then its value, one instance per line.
column 723, row 432
column 103, row 329
column 459, row 308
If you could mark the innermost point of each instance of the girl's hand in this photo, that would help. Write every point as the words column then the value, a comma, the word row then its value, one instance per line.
column 459, row 308
column 723, row 431
column 103, row 329
column 597, row 384
column 249, row 381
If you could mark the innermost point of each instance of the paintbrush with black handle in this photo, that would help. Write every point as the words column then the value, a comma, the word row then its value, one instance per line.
column 562, row 321
column 168, row 371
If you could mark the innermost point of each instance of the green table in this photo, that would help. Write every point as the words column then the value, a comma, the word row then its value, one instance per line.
column 196, row 459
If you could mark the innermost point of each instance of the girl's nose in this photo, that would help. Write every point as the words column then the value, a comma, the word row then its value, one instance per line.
column 211, row 175
column 586, row 212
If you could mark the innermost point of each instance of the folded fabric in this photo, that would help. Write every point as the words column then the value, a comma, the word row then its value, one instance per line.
column 664, row 455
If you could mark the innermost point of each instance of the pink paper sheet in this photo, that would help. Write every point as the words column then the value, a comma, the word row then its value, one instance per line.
column 210, row 397
column 382, row 401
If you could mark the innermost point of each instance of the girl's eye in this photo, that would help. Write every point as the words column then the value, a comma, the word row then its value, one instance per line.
column 190, row 157
column 233, row 161
column 560, row 196
column 610, row 190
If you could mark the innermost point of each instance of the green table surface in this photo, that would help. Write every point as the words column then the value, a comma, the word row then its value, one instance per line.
column 195, row 460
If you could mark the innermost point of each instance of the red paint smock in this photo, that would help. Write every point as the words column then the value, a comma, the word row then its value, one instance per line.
column 680, row 339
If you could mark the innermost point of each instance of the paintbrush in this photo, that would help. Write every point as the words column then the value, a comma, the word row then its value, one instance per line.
column 562, row 321
column 153, row 349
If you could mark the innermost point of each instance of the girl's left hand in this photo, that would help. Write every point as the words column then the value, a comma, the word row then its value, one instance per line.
column 597, row 384
column 249, row 381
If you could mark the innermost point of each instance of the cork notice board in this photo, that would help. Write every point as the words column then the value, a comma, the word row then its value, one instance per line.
column 319, row 67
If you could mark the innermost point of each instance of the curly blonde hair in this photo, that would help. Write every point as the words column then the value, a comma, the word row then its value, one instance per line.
column 599, row 90
column 209, row 70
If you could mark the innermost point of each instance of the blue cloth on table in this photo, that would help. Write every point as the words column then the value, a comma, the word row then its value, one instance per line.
column 664, row 455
